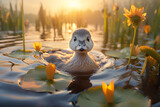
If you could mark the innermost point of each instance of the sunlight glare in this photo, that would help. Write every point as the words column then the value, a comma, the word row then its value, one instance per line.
column 74, row 3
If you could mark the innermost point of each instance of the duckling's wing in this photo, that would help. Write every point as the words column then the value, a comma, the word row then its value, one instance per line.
column 103, row 60
column 98, row 56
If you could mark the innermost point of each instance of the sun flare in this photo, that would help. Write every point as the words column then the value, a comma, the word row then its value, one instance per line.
column 74, row 3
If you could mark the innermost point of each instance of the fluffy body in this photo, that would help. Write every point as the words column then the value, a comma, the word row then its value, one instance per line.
column 81, row 61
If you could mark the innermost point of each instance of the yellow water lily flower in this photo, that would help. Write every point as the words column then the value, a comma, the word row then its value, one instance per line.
column 37, row 46
column 115, row 7
column 108, row 91
column 135, row 50
column 135, row 15
column 50, row 70
column 147, row 29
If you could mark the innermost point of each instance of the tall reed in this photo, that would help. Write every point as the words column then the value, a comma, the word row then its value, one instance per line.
column 105, row 25
column 23, row 27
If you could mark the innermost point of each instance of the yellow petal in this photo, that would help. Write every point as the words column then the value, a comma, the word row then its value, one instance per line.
column 104, row 88
column 134, row 12
column 37, row 46
column 133, row 9
column 147, row 29
column 144, row 14
column 108, row 91
column 129, row 22
column 50, row 70
column 126, row 11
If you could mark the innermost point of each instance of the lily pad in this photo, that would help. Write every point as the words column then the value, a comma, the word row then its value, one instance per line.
column 36, row 80
column 94, row 97
column 20, row 54
column 124, row 53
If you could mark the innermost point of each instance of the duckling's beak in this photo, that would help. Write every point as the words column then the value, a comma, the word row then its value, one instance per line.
column 81, row 46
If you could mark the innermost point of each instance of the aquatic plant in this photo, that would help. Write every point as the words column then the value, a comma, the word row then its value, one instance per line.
column 23, row 27
column 155, row 24
column 105, row 24
column 36, row 80
column 124, row 53
column 94, row 97
column 148, row 51
column 115, row 7
column 135, row 51
column 50, row 71
column 135, row 17
column 21, row 54
column 151, row 61
column 147, row 29
column 37, row 46
column 37, row 24
column 42, row 18
column 157, row 42
column 108, row 91
column 10, row 19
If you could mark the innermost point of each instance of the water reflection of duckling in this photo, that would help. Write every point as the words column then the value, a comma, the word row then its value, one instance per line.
column 79, row 62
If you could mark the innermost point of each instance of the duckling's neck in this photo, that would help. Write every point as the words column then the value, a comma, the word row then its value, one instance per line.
column 81, row 62
column 80, row 55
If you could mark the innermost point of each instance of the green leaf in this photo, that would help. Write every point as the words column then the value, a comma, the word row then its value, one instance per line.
column 94, row 97
column 124, row 53
column 21, row 54
column 36, row 80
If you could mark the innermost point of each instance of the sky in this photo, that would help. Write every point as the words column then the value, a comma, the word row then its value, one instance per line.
column 32, row 6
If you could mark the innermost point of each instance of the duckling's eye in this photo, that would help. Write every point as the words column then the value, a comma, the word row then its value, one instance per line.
column 87, row 39
column 75, row 39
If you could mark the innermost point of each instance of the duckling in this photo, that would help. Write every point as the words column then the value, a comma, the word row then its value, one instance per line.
column 81, row 61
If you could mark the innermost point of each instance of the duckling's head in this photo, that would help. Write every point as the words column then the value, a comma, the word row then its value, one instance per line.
column 81, row 41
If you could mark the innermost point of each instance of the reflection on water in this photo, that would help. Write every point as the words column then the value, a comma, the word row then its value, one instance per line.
column 79, row 83
column 11, row 69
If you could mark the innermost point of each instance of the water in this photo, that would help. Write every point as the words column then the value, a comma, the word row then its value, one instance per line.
column 11, row 69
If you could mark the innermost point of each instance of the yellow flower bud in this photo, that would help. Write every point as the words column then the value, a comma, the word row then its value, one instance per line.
column 37, row 46
column 135, row 51
column 50, row 70
column 108, row 91
column 147, row 29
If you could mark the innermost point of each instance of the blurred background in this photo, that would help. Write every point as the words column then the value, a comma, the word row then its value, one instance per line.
column 53, row 21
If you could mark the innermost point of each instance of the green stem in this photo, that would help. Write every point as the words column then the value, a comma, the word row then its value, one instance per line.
column 144, row 66
column 135, row 29
column 105, row 25
column 23, row 27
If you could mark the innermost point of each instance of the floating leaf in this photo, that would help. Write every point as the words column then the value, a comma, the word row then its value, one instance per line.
column 124, row 53
column 36, row 80
column 21, row 54
column 94, row 97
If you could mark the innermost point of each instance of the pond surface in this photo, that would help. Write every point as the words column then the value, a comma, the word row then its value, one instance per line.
column 11, row 69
